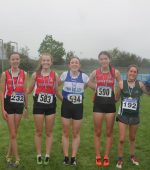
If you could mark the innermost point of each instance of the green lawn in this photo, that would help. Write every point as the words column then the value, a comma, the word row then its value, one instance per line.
column 86, row 155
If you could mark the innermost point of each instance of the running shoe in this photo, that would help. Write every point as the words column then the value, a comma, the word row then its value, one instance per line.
column 119, row 163
column 39, row 160
column 106, row 161
column 46, row 160
column 8, row 160
column 66, row 160
column 134, row 160
column 16, row 164
column 98, row 161
column 73, row 161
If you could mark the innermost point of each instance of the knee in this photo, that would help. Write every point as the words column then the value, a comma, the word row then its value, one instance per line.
column 38, row 133
column 13, row 135
column 97, row 132
column 66, row 133
column 76, row 134
column 109, row 133
column 49, row 134
column 121, row 141
column 132, row 138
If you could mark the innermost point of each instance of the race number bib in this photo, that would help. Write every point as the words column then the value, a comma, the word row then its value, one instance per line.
column 17, row 98
column 104, row 91
column 75, row 98
column 45, row 98
column 130, row 104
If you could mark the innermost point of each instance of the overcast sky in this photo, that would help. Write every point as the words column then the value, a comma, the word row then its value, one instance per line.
column 84, row 26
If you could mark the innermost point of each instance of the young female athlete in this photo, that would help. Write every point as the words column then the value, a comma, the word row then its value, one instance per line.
column 104, row 104
column 13, row 101
column 44, row 82
column 130, row 91
column 74, row 82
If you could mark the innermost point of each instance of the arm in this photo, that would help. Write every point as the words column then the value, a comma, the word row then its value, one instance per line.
column 32, row 83
column 58, row 82
column 25, row 113
column 118, row 91
column 3, row 79
column 142, row 86
column 91, row 83
column 117, row 75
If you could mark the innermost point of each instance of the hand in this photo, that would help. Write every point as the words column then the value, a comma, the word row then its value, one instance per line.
column 25, row 114
column 5, row 114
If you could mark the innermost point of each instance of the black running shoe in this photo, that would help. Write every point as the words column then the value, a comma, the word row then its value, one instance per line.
column 73, row 161
column 66, row 160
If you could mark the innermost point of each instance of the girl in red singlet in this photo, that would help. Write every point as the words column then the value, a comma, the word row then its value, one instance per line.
column 104, row 104
column 44, row 82
column 13, row 100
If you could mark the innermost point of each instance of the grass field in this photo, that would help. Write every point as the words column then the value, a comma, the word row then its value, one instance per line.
column 86, row 154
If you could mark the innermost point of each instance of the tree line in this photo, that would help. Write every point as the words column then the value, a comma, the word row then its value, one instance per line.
column 61, row 56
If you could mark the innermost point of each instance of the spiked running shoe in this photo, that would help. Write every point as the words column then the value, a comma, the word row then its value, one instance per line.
column 119, row 163
column 66, row 160
column 16, row 164
column 98, row 161
column 39, row 160
column 106, row 161
column 73, row 161
column 134, row 160
column 46, row 160
column 8, row 160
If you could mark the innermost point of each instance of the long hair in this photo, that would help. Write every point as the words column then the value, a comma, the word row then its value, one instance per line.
column 109, row 56
column 39, row 68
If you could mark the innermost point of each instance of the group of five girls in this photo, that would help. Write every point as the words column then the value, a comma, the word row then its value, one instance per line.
column 44, row 84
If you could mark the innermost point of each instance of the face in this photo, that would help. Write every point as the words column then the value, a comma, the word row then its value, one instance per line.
column 14, row 60
column 104, row 60
column 132, row 73
column 46, row 61
column 74, row 64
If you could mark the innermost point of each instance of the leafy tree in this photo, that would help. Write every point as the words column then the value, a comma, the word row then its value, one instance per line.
column 53, row 47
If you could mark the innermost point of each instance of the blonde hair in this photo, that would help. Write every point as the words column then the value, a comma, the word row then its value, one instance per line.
column 39, row 68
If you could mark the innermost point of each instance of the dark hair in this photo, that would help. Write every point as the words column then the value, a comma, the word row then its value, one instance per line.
column 13, row 54
column 133, row 65
column 109, row 56
column 72, row 57
column 104, row 53
column 39, row 68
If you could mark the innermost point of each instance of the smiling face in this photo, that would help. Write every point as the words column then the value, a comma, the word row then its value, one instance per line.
column 132, row 73
column 104, row 60
column 74, row 64
column 46, row 61
column 14, row 60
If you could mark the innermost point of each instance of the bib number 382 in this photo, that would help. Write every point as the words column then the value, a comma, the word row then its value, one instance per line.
column 130, row 104
column 104, row 91
column 17, row 98
column 75, row 98
column 45, row 98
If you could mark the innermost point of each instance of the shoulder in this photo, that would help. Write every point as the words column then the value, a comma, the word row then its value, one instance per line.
column 85, row 77
column 63, row 75
column 34, row 75
column 93, row 73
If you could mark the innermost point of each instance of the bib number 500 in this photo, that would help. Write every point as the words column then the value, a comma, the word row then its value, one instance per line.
column 104, row 91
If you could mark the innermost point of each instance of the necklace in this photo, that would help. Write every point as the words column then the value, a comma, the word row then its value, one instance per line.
column 130, row 90
column 13, row 83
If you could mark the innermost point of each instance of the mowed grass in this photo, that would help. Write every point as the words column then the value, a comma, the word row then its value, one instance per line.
column 86, row 154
